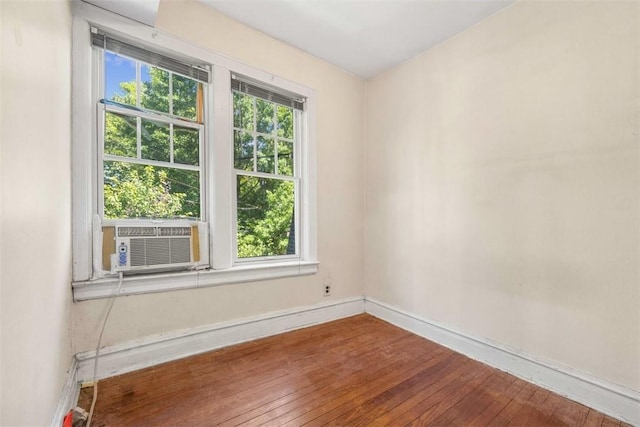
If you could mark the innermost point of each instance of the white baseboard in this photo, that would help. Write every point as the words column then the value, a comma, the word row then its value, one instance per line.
column 69, row 395
column 606, row 397
column 161, row 348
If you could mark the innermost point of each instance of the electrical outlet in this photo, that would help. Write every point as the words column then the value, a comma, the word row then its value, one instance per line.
column 327, row 289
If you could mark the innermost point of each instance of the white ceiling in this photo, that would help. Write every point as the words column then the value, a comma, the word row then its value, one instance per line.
column 365, row 37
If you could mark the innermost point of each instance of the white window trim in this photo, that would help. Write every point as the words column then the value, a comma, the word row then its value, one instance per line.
column 219, row 196
column 150, row 283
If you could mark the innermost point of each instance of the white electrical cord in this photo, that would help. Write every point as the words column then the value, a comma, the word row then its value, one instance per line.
column 95, row 363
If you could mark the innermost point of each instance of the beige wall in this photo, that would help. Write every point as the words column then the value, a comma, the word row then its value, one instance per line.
column 502, row 184
column 340, row 137
column 36, row 208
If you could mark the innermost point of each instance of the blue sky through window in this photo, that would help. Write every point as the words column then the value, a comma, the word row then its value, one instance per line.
column 119, row 69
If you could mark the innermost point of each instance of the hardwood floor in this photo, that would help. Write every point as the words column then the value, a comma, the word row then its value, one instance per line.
column 351, row 372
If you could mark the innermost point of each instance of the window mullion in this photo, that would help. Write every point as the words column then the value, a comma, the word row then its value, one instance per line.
column 220, row 165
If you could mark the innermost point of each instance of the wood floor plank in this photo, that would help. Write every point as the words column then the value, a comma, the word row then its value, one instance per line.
column 610, row 422
column 530, row 409
column 196, row 412
column 468, row 407
column 570, row 413
column 260, row 383
column 419, row 401
column 327, row 383
column 505, row 416
column 326, row 375
column 594, row 419
column 484, row 417
column 359, row 411
column 392, row 397
column 358, row 371
column 544, row 414
column 351, row 393
column 452, row 393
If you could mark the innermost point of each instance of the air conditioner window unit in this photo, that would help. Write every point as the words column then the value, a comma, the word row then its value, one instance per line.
column 148, row 246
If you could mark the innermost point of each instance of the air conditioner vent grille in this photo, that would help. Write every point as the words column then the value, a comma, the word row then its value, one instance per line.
column 136, row 231
column 173, row 250
column 174, row 231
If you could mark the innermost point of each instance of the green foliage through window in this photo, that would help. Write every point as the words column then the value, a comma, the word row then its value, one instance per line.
column 170, row 189
column 264, row 144
column 265, row 217
column 152, row 165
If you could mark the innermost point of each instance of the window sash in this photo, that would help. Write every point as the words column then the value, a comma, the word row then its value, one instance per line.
column 102, row 157
column 297, row 218
column 295, row 178
column 103, row 108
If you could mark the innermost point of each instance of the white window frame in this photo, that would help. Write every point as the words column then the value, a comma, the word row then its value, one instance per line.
column 218, row 167
column 295, row 178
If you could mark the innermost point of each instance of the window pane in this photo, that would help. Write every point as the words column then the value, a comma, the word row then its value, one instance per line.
column 264, row 113
column 266, row 224
column 242, row 111
column 266, row 155
column 186, row 143
column 285, row 158
column 285, row 122
column 155, row 141
column 155, row 88
column 120, row 135
column 120, row 78
column 184, row 97
column 139, row 191
column 243, row 150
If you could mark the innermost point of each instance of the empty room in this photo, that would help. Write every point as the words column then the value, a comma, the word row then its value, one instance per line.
column 320, row 212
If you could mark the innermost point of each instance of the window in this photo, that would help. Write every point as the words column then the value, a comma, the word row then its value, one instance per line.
column 170, row 132
column 151, row 131
column 265, row 147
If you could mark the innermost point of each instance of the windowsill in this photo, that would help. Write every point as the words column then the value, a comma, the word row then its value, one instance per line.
column 149, row 283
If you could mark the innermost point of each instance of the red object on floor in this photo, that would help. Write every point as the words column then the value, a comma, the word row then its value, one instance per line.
column 68, row 419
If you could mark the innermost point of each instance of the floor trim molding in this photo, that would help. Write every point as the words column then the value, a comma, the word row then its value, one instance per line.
column 69, row 394
column 149, row 351
column 606, row 397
